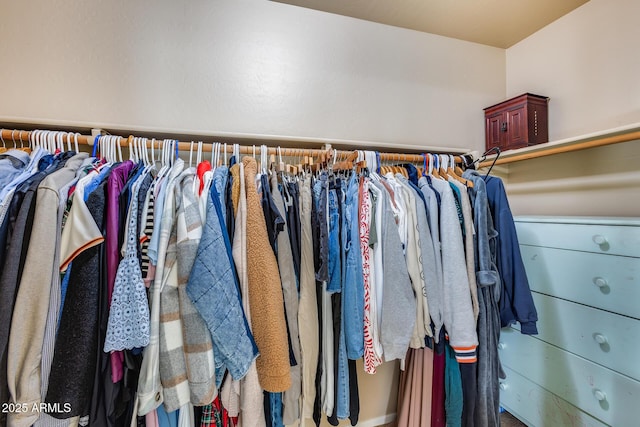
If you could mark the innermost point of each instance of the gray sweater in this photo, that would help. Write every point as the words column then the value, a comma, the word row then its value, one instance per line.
column 457, row 310
column 398, row 301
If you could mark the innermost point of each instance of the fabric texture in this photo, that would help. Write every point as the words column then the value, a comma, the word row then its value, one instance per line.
column 150, row 387
column 489, row 370
column 173, row 368
column 370, row 359
column 398, row 303
column 128, row 325
column 77, row 342
column 434, row 287
column 516, row 302
column 308, row 306
column 414, row 393
column 17, row 226
column 265, row 294
column 198, row 347
column 116, row 181
column 469, row 249
column 251, row 396
column 287, row 270
column 213, row 289
column 353, row 286
column 457, row 311
column 27, row 332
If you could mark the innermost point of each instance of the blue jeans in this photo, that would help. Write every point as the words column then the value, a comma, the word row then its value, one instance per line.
column 320, row 200
column 275, row 401
column 353, row 285
column 342, row 402
column 334, row 284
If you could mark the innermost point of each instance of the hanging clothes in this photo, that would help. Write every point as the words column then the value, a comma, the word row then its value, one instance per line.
column 224, row 296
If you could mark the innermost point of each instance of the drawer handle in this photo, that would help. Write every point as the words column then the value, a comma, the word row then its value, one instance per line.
column 503, row 386
column 501, row 346
column 599, row 240
column 600, row 395
column 600, row 282
column 600, row 339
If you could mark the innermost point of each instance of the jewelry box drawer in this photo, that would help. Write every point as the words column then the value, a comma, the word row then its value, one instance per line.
column 598, row 238
column 603, row 281
column 539, row 407
column 604, row 394
column 602, row 337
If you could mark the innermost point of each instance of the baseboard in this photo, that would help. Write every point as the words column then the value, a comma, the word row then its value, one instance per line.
column 378, row 421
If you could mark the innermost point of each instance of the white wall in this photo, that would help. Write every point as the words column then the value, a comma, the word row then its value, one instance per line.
column 244, row 66
column 588, row 63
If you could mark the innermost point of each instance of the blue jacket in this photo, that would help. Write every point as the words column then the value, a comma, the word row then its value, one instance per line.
column 214, row 290
column 516, row 302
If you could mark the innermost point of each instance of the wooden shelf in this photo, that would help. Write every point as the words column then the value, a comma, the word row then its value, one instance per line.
column 597, row 139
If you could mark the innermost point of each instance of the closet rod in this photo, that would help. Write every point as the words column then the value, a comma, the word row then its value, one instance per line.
column 20, row 137
column 598, row 142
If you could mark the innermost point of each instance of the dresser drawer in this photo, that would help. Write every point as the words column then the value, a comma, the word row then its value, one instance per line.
column 604, row 394
column 602, row 337
column 604, row 281
column 537, row 406
column 597, row 238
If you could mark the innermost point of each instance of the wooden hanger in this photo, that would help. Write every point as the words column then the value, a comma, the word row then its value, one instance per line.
column 347, row 164
column 452, row 173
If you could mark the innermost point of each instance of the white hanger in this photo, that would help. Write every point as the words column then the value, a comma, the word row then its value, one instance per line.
column 139, row 153
column 119, row 147
column 75, row 141
column 139, row 149
column 34, row 136
column 153, row 154
column 132, row 150
column 225, row 155
column 263, row 159
column 114, row 150
column 58, row 141
column 105, row 142
column 214, row 155
column 443, row 161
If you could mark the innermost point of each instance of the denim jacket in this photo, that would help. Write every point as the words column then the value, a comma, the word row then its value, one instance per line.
column 213, row 288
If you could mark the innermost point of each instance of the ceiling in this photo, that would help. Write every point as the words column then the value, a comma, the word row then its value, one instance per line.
column 499, row 23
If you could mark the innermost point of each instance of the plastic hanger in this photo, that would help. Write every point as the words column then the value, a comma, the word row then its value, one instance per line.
column 14, row 140
column 433, row 166
column 226, row 163
column 153, row 154
column 4, row 146
column 132, row 149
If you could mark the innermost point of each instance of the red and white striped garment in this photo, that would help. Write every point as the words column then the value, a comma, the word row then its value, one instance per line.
column 371, row 359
